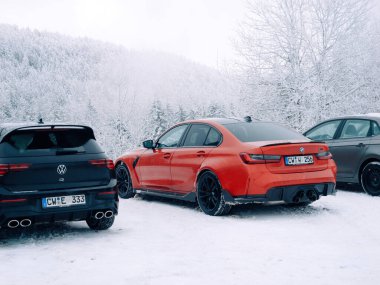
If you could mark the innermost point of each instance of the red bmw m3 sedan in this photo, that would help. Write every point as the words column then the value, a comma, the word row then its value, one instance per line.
column 222, row 162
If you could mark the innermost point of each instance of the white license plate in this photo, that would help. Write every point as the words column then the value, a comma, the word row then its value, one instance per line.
column 63, row 201
column 299, row 160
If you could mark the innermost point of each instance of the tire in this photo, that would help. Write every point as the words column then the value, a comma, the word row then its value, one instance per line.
column 370, row 178
column 209, row 195
column 124, row 182
column 101, row 224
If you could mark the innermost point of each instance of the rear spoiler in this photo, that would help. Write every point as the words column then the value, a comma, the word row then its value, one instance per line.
column 8, row 132
column 283, row 143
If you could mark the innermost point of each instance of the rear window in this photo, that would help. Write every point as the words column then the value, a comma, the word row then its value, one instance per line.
column 34, row 142
column 261, row 131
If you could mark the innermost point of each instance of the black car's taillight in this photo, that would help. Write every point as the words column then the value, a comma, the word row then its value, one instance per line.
column 103, row 163
column 259, row 158
column 6, row 168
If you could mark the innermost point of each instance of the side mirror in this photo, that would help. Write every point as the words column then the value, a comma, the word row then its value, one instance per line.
column 148, row 144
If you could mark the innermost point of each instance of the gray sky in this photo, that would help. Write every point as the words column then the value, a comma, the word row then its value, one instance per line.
column 197, row 29
column 201, row 30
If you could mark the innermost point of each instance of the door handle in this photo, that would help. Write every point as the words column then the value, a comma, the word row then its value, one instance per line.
column 167, row 155
column 360, row 145
column 201, row 153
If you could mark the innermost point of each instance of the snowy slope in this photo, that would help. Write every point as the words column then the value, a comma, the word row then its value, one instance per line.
column 334, row 241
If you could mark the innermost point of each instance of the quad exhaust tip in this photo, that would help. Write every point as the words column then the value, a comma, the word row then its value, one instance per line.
column 13, row 224
column 99, row 215
column 25, row 223
column 106, row 214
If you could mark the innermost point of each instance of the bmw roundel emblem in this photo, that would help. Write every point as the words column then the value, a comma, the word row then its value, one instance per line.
column 302, row 150
column 61, row 169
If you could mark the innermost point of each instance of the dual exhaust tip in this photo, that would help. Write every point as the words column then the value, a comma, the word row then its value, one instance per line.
column 107, row 214
column 22, row 223
column 312, row 195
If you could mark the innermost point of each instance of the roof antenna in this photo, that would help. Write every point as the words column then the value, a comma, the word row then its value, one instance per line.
column 40, row 121
column 248, row 119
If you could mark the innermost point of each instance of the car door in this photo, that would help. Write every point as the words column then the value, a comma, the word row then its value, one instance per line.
column 327, row 132
column 154, row 164
column 350, row 146
column 187, row 160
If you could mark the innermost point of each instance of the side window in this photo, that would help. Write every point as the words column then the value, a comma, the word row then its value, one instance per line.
column 325, row 131
column 355, row 129
column 375, row 129
column 213, row 138
column 196, row 135
column 172, row 137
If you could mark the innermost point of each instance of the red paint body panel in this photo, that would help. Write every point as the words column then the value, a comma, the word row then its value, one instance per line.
column 178, row 173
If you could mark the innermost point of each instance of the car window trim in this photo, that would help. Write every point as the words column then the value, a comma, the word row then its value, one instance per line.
column 180, row 140
column 202, row 146
column 359, row 119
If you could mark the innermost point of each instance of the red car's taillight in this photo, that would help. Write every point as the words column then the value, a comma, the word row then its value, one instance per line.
column 5, row 168
column 103, row 163
column 324, row 155
column 259, row 158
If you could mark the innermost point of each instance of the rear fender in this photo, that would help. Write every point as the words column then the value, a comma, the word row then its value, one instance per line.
column 231, row 171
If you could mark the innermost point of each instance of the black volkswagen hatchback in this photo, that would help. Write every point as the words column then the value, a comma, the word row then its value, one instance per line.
column 54, row 172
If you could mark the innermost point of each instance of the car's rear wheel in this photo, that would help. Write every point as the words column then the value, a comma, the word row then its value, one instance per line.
column 124, row 182
column 100, row 224
column 370, row 178
column 209, row 195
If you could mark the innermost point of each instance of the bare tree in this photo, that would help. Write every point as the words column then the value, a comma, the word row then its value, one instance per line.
column 295, row 56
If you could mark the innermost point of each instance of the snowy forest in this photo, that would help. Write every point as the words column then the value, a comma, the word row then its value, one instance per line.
column 300, row 61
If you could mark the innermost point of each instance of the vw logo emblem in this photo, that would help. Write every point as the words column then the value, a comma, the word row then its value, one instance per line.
column 61, row 169
column 302, row 150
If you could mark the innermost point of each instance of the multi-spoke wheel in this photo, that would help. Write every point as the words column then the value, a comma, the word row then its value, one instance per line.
column 370, row 178
column 124, row 182
column 210, row 197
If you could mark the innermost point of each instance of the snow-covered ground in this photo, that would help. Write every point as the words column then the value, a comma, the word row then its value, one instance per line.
column 334, row 241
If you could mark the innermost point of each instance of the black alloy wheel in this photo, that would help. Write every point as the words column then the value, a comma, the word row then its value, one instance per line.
column 124, row 182
column 370, row 178
column 210, row 197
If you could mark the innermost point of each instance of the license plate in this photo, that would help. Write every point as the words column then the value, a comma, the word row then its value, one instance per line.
column 63, row 201
column 299, row 160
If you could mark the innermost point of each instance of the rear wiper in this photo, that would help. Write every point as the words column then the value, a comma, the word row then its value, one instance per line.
column 71, row 151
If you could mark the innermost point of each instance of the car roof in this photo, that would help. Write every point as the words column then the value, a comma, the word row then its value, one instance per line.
column 220, row 121
column 6, row 128
column 369, row 116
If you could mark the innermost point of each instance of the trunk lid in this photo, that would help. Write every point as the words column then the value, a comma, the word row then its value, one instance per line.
column 294, row 149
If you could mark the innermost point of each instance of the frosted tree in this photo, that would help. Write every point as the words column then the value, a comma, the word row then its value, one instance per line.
column 296, row 57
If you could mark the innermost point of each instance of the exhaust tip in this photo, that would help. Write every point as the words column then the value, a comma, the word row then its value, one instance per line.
column 25, row 223
column 99, row 215
column 13, row 224
column 108, row 214
column 297, row 198
column 312, row 195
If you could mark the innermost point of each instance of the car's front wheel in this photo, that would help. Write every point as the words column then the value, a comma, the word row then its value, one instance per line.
column 370, row 178
column 210, row 196
column 124, row 182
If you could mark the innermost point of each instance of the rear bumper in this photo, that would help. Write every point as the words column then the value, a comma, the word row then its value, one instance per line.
column 286, row 194
column 29, row 205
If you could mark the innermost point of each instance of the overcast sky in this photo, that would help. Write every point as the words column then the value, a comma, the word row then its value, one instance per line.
column 197, row 29
column 201, row 30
